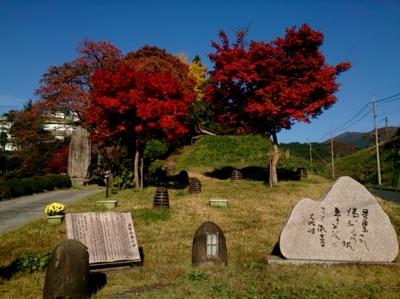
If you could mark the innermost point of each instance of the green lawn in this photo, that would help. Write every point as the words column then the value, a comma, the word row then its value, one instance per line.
column 251, row 225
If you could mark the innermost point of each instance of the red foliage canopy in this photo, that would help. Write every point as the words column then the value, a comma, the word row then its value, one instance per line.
column 58, row 162
column 138, row 104
column 68, row 86
column 264, row 87
column 150, row 59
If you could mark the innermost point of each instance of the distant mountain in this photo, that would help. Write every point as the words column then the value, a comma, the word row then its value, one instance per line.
column 364, row 140
column 319, row 150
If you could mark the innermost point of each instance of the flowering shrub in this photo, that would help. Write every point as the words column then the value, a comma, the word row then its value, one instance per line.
column 54, row 208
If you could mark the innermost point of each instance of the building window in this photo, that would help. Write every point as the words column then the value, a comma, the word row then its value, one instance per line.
column 212, row 245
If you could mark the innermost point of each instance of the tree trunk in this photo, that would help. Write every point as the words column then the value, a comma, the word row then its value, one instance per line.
column 136, row 175
column 273, row 161
column 141, row 173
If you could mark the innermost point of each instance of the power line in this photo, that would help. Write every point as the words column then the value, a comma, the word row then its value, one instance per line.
column 388, row 98
column 357, row 120
column 392, row 100
column 323, row 160
column 351, row 118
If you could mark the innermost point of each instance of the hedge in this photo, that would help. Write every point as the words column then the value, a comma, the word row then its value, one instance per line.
column 26, row 186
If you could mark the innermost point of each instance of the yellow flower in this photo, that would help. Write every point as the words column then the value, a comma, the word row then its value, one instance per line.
column 54, row 208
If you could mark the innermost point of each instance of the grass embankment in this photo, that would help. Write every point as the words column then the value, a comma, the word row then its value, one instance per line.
column 362, row 165
column 251, row 225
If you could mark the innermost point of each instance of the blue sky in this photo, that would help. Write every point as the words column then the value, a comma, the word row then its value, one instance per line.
column 38, row 34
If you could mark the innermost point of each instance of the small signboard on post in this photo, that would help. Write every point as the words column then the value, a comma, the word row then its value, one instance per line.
column 109, row 237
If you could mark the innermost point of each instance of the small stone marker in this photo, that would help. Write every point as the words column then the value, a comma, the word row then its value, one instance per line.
column 109, row 237
column 236, row 175
column 218, row 202
column 108, row 204
column 161, row 198
column 301, row 173
column 209, row 245
column 67, row 275
column 194, row 185
column 346, row 225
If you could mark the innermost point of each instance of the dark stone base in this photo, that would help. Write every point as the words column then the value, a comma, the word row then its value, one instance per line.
column 79, row 181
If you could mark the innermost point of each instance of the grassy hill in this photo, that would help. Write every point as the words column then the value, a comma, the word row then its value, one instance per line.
column 222, row 151
column 362, row 165
column 219, row 155
column 251, row 225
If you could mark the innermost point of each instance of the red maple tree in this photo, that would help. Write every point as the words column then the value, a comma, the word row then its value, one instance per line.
column 117, row 96
column 138, row 105
column 263, row 87
column 67, row 87
column 151, row 59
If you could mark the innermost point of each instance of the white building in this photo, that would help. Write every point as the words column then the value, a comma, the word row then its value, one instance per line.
column 5, row 126
column 59, row 124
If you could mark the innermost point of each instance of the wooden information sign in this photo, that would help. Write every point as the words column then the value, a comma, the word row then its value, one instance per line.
column 109, row 237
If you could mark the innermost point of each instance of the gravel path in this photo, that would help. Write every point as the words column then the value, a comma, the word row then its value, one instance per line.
column 19, row 211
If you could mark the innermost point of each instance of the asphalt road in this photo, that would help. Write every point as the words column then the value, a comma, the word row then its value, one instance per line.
column 19, row 211
column 387, row 195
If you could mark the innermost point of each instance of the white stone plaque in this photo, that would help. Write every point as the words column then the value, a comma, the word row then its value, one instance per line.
column 109, row 237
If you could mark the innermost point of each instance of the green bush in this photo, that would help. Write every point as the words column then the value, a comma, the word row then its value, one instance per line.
column 155, row 149
column 26, row 186
column 5, row 190
column 122, row 180
column 32, row 262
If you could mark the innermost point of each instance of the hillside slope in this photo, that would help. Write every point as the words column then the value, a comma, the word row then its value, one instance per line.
column 223, row 151
column 362, row 165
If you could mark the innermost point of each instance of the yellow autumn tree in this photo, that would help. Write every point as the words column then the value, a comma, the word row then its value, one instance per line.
column 198, row 72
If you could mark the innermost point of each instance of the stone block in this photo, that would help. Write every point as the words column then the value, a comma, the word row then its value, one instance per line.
column 209, row 245
column 79, row 155
column 67, row 274
column 348, row 224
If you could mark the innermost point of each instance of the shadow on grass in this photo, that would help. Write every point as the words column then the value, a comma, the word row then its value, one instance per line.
column 97, row 280
column 8, row 271
column 161, row 179
column 254, row 173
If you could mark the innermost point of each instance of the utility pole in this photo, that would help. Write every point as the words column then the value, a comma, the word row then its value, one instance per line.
column 378, row 162
column 333, row 157
column 387, row 129
column 310, row 146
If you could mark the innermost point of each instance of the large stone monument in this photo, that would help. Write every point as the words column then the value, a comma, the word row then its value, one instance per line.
column 67, row 275
column 209, row 245
column 79, row 156
column 348, row 224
